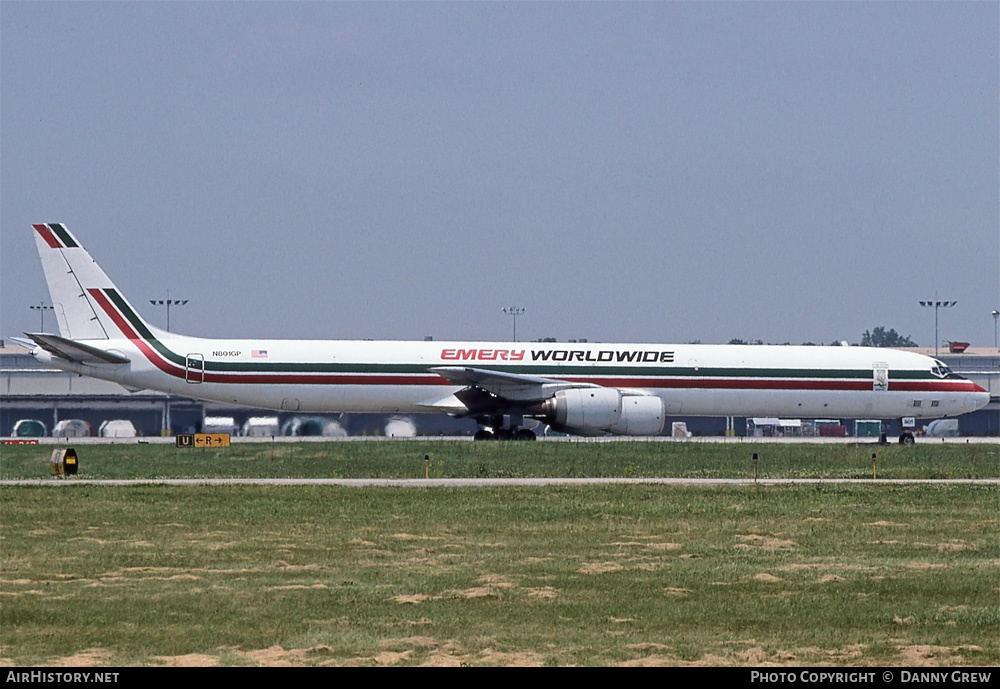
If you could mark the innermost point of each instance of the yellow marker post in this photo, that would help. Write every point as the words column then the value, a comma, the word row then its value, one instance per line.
column 755, row 467
column 874, row 475
column 63, row 461
column 427, row 466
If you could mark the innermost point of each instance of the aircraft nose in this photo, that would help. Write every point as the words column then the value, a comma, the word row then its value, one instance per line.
column 978, row 399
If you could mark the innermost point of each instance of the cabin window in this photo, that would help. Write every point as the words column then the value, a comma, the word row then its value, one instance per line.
column 916, row 403
column 935, row 403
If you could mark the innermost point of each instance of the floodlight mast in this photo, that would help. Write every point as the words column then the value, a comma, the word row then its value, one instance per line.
column 168, row 302
column 937, row 305
column 41, row 307
column 513, row 311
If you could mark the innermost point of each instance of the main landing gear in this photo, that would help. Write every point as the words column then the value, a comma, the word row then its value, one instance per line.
column 504, row 427
column 505, row 434
column 906, row 438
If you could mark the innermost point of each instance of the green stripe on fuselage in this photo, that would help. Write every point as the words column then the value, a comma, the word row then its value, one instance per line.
column 560, row 372
column 140, row 327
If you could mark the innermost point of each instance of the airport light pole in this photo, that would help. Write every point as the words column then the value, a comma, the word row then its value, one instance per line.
column 513, row 311
column 996, row 315
column 937, row 305
column 168, row 302
column 42, row 307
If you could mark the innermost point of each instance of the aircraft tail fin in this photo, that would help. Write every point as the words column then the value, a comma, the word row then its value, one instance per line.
column 86, row 303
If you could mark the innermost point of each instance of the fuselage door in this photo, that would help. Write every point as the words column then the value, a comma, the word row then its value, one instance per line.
column 194, row 368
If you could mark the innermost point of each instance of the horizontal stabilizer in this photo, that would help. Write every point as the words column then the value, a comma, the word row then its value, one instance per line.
column 75, row 351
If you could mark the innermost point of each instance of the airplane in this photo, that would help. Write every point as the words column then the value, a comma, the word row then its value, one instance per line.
column 508, row 388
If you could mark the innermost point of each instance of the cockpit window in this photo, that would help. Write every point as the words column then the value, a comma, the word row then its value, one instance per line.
column 941, row 371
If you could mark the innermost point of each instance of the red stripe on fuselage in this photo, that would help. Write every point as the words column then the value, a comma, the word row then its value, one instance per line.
column 254, row 378
column 326, row 379
column 726, row 383
column 928, row 386
column 936, row 386
column 431, row 379
column 47, row 235
column 133, row 336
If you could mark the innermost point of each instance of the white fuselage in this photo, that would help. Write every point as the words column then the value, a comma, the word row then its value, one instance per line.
column 391, row 376
column 626, row 389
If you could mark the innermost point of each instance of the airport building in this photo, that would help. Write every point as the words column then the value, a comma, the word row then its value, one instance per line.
column 31, row 391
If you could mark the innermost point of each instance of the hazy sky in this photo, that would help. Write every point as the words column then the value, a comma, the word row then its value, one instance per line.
column 660, row 172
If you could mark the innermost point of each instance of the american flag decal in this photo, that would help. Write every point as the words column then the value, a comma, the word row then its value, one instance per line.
column 258, row 354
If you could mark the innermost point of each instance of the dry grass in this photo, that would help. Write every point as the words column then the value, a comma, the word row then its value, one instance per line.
column 619, row 575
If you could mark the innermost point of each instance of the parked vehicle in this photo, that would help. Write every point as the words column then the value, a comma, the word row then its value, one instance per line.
column 29, row 428
column 72, row 428
column 117, row 428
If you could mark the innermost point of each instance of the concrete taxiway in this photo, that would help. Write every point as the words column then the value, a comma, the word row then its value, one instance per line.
column 478, row 482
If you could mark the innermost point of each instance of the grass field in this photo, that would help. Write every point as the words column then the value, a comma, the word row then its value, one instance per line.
column 458, row 459
column 870, row 574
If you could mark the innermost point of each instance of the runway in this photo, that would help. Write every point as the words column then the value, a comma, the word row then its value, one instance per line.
column 481, row 482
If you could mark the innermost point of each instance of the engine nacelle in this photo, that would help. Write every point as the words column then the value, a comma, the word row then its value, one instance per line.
column 641, row 415
column 605, row 410
column 585, row 409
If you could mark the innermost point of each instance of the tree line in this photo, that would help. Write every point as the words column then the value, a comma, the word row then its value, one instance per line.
column 877, row 337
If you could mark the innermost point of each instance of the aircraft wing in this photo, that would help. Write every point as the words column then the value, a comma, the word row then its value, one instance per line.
column 571, row 406
column 512, row 387
column 72, row 350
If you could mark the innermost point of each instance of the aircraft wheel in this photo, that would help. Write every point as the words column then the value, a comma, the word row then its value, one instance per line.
column 525, row 434
column 483, row 435
column 906, row 438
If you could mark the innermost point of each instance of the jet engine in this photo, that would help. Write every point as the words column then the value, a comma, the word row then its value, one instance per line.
column 604, row 409
column 641, row 415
